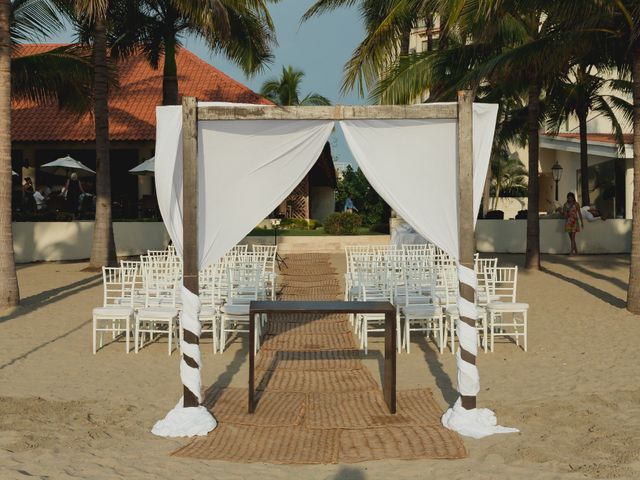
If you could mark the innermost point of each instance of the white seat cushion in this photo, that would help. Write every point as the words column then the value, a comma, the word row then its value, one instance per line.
column 158, row 312
column 207, row 311
column 115, row 311
column 508, row 307
column 413, row 298
column 418, row 310
column 235, row 309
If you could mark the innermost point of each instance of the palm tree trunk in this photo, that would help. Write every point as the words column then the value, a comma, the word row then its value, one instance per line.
column 9, row 293
column 584, row 158
column 532, row 256
column 170, row 73
column 103, row 251
column 633, row 290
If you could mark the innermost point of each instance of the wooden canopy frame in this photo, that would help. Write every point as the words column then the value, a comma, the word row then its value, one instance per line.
column 191, row 114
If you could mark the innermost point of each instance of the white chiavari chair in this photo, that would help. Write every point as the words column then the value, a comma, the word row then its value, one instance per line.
column 159, row 316
column 506, row 316
column 243, row 286
column 117, row 306
column 420, row 309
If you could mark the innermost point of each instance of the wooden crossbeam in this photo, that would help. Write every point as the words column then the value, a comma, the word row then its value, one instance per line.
column 335, row 113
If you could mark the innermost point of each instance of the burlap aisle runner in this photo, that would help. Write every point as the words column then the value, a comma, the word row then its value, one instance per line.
column 317, row 403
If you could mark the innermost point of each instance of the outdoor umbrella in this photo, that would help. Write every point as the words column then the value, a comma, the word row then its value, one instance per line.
column 63, row 166
column 145, row 168
column 14, row 173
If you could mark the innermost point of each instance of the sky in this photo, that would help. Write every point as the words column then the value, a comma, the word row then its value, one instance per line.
column 319, row 47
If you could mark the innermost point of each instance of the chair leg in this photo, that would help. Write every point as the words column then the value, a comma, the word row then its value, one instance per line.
column 525, row 330
column 398, row 332
column 484, row 333
column 127, row 333
column 441, row 334
column 407, row 334
column 136, row 338
column 223, row 335
column 95, row 325
column 492, row 330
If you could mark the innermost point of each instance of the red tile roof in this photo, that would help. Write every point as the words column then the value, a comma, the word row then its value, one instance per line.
column 598, row 137
column 132, row 106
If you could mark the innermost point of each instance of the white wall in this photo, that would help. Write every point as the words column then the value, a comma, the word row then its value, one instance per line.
column 510, row 205
column 509, row 236
column 318, row 244
column 53, row 241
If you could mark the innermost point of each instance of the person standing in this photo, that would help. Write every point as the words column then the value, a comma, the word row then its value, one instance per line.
column 72, row 190
column 349, row 205
column 573, row 222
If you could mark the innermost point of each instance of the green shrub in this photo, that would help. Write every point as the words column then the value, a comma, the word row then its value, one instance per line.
column 342, row 223
column 314, row 224
column 294, row 224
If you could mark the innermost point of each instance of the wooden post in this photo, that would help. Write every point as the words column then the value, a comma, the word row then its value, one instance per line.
column 190, row 222
column 465, row 212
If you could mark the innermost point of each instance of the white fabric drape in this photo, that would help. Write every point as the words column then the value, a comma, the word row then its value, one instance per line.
column 246, row 169
column 250, row 168
column 412, row 164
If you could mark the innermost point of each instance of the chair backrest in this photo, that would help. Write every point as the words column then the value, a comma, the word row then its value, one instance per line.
column 118, row 285
column 160, row 285
column 244, row 280
column 419, row 279
column 270, row 252
column 506, row 283
column 447, row 283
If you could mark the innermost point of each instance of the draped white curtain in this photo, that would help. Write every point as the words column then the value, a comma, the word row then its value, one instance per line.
column 246, row 169
column 412, row 164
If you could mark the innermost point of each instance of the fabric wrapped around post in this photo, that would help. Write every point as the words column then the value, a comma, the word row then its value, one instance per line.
column 250, row 168
column 412, row 165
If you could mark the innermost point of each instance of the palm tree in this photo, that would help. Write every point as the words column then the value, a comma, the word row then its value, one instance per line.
column 579, row 93
column 60, row 74
column 10, row 295
column 388, row 26
column 285, row 90
column 91, row 16
column 508, row 174
column 242, row 30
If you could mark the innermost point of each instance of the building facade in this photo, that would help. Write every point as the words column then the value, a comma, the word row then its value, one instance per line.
column 42, row 133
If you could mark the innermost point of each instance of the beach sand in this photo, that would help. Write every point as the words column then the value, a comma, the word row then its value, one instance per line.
column 65, row 413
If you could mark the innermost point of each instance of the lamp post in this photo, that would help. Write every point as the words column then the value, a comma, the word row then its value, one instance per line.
column 556, row 171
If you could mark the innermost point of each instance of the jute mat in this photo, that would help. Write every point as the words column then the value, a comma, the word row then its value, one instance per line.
column 316, row 401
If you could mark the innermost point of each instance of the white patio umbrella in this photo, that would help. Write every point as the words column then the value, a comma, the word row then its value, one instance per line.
column 63, row 166
column 14, row 173
column 148, row 167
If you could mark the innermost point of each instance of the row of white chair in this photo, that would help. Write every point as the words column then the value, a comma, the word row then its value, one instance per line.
column 421, row 281
column 143, row 298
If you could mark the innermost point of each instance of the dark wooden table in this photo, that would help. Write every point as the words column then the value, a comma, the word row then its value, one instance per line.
column 331, row 307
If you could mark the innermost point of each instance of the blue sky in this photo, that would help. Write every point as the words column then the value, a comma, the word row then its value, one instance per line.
column 320, row 47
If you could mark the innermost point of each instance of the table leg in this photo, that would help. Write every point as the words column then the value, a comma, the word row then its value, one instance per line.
column 389, row 385
column 252, row 340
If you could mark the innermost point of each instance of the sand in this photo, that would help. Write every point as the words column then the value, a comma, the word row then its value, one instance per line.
column 65, row 413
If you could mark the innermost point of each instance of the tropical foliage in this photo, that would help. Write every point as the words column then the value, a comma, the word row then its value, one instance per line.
column 285, row 90
column 369, row 205
column 509, row 177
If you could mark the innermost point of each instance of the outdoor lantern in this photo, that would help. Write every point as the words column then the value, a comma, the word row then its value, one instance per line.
column 556, row 171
